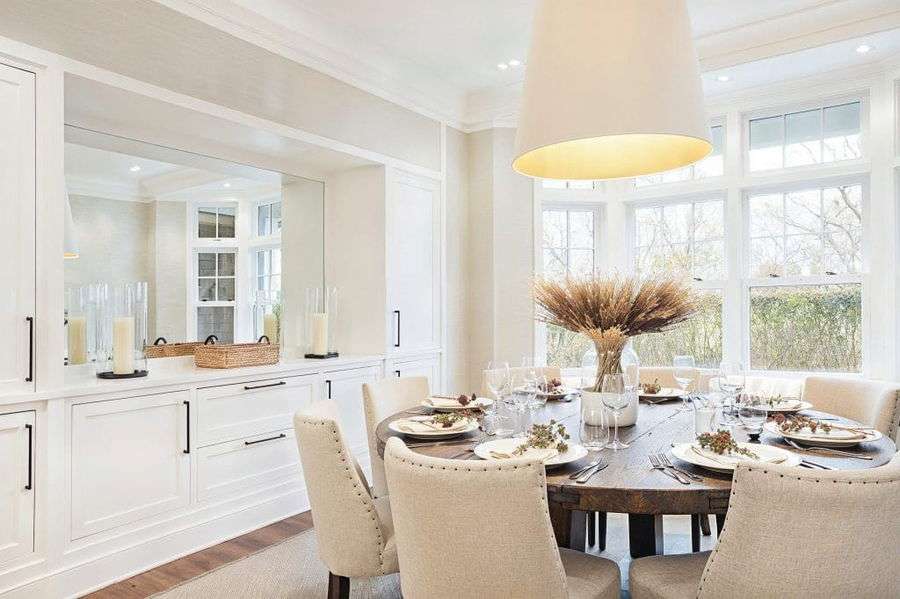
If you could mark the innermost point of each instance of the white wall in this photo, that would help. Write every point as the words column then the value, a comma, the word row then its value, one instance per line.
column 170, row 289
column 457, row 343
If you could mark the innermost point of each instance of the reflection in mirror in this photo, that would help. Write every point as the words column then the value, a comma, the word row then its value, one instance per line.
column 205, row 235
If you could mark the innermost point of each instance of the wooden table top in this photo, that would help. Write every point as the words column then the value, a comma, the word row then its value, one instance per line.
column 628, row 484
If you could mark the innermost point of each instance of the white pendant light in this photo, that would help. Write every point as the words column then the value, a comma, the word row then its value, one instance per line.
column 612, row 89
column 70, row 245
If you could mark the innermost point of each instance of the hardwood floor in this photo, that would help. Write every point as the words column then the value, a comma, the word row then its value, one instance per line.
column 175, row 572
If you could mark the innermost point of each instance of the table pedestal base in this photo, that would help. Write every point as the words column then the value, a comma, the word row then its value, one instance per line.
column 645, row 534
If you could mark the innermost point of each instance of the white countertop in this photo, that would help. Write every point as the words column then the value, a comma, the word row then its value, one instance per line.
column 181, row 371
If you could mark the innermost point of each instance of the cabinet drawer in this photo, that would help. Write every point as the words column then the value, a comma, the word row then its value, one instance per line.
column 246, row 464
column 232, row 412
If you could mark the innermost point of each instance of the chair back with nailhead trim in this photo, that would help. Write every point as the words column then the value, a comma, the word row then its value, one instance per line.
column 472, row 529
column 350, row 534
column 808, row 533
column 873, row 403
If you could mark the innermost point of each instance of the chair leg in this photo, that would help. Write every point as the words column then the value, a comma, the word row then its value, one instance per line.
column 720, row 522
column 696, row 523
column 601, row 531
column 591, row 528
column 704, row 525
column 338, row 587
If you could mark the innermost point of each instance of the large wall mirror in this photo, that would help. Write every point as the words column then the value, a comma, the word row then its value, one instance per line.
column 226, row 249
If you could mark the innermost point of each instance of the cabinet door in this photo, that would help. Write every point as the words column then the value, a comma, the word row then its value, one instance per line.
column 345, row 388
column 427, row 367
column 129, row 460
column 17, row 204
column 414, row 263
column 16, row 485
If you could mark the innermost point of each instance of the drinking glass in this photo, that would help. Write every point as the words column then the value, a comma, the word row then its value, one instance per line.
column 539, row 400
column 731, row 382
column 497, row 380
column 594, row 424
column 685, row 375
column 612, row 390
column 704, row 414
column 752, row 414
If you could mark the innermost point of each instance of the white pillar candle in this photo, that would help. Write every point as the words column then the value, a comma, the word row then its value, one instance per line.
column 123, row 345
column 319, row 324
column 270, row 327
column 77, row 340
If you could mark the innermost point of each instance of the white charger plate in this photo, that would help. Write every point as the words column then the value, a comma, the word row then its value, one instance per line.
column 664, row 394
column 802, row 405
column 480, row 402
column 437, row 434
column 835, row 438
column 683, row 452
column 573, row 453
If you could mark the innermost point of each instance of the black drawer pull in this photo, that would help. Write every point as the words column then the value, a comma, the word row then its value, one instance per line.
column 328, row 389
column 187, row 405
column 281, row 436
column 30, row 377
column 252, row 387
column 397, row 342
column 28, row 427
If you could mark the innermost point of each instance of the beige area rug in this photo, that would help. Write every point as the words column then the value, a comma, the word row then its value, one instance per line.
column 292, row 569
column 289, row 570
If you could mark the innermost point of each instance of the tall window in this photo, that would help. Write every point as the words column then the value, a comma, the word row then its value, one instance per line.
column 268, row 269
column 216, row 222
column 826, row 134
column 569, row 248
column 684, row 239
column 711, row 166
column 268, row 219
column 804, row 285
column 215, row 274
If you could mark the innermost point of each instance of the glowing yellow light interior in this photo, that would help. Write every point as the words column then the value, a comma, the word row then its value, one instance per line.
column 612, row 157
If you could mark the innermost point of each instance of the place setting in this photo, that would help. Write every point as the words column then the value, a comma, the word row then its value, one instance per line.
column 814, row 435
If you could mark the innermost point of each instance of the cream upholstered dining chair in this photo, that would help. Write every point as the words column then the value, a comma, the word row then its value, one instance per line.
column 873, row 403
column 380, row 400
column 481, row 530
column 770, row 386
column 791, row 532
column 355, row 533
column 665, row 376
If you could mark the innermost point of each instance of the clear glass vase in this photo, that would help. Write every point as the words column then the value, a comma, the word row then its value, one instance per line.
column 321, row 316
column 122, row 331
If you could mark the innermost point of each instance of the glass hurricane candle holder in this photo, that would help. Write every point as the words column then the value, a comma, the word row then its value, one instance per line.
column 77, row 326
column 321, row 314
column 122, row 332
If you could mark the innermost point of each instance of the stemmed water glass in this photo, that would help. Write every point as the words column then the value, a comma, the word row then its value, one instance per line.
column 731, row 380
column 685, row 373
column 614, row 397
column 752, row 414
column 498, row 381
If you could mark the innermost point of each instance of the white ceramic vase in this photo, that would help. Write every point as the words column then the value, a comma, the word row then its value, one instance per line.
column 627, row 417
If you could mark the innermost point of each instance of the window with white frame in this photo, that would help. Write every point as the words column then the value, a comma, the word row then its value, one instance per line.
column 819, row 135
column 804, row 285
column 711, row 166
column 215, row 293
column 569, row 248
column 268, row 219
column 684, row 238
column 268, row 269
column 216, row 222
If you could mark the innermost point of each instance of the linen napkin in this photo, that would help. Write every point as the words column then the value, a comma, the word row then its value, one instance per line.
column 427, row 426
column 733, row 459
column 442, row 401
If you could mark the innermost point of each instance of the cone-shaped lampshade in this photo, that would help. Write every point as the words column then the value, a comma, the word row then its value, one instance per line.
column 612, row 89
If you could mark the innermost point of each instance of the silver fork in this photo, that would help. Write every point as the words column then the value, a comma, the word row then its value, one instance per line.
column 831, row 450
column 657, row 465
column 668, row 463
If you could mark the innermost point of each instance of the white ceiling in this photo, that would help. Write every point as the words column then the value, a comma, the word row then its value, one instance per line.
column 444, row 52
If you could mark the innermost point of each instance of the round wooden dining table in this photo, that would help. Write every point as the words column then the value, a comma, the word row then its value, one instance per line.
column 628, row 484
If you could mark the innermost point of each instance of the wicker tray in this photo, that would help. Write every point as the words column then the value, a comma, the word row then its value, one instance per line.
column 163, row 349
column 235, row 355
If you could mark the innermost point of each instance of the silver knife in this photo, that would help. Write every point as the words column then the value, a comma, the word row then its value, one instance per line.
column 591, row 472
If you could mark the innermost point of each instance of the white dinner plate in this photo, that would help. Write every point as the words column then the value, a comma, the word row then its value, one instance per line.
column 833, row 438
column 559, row 393
column 507, row 446
column 664, row 394
column 395, row 426
column 792, row 406
column 480, row 402
column 766, row 453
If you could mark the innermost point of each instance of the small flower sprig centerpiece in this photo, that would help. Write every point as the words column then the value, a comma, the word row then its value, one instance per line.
column 545, row 436
column 609, row 310
column 723, row 444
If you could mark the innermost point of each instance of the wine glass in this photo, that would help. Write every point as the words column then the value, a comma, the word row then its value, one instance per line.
column 497, row 379
column 731, row 382
column 614, row 397
column 752, row 414
column 685, row 374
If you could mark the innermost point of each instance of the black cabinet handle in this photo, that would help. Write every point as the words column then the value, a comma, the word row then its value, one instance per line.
column 397, row 372
column 30, row 321
column 397, row 314
column 328, row 389
column 281, row 436
column 29, row 428
column 252, row 387
column 187, row 404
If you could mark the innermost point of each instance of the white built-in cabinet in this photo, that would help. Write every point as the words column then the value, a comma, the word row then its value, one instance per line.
column 130, row 460
column 17, row 445
column 17, row 244
column 344, row 387
column 428, row 366
column 413, row 244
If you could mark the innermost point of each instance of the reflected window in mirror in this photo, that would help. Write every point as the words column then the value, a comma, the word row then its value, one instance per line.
column 268, row 219
column 216, row 222
column 268, row 269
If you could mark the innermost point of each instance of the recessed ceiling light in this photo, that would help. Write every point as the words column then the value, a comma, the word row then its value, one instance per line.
column 723, row 78
column 226, row 184
column 514, row 63
column 863, row 48
column 135, row 168
column 502, row 66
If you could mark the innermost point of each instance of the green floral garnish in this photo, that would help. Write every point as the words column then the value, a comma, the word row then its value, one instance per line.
column 544, row 436
column 722, row 443
column 797, row 423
